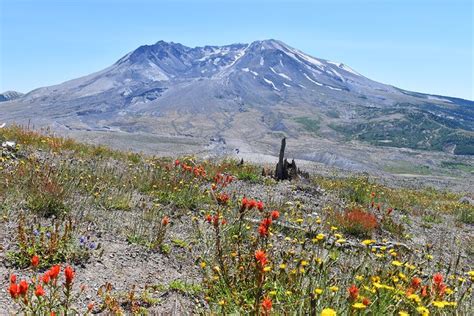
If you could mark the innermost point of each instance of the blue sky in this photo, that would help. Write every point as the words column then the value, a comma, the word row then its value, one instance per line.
column 419, row 45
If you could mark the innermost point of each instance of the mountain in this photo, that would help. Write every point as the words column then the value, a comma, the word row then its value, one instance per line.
column 10, row 95
column 245, row 97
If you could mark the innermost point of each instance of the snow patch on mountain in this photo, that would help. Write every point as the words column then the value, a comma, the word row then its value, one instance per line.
column 280, row 74
column 315, row 82
column 271, row 83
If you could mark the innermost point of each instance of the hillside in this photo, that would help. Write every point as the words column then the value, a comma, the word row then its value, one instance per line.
column 10, row 95
column 244, row 98
column 139, row 234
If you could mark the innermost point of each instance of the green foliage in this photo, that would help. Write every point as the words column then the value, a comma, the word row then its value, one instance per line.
column 358, row 189
column 458, row 165
column 409, row 128
column 466, row 214
column 309, row 124
column 52, row 244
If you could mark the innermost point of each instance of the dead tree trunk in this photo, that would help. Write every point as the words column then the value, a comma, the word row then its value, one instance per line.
column 281, row 172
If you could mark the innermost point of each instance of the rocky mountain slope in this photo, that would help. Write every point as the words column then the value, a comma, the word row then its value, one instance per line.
column 245, row 97
column 10, row 95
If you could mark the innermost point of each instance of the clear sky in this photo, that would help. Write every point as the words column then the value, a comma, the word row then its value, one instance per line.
column 419, row 45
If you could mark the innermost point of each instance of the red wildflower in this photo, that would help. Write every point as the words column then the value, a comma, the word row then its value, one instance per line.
column 45, row 278
column 215, row 220
column 90, row 306
column 366, row 301
column 267, row 304
column 437, row 278
column 12, row 278
column 372, row 194
column 262, row 230
column 165, row 221
column 275, row 214
column 52, row 314
column 23, row 287
column 35, row 261
column 213, row 187
column 176, row 162
column 54, row 271
column 69, row 274
column 266, row 222
column 389, row 211
column 353, row 292
column 261, row 257
column 424, row 291
column 251, row 204
column 442, row 289
column 260, row 206
column 209, row 218
column 415, row 282
column 14, row 290
column 39, row 290
column 245, row 202
column 223, row 198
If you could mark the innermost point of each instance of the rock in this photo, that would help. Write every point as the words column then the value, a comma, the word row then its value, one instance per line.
column 9, row 145
column 466, row 200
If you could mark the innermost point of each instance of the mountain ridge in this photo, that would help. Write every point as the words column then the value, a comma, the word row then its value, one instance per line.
column 247, row 93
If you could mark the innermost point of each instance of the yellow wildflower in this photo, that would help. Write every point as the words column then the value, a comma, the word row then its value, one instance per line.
column 320, row 237
column 397, row 263
column 318, row 291
column 334, row 288
column 333, row 228
column 439, row 304
column 403, row 313
column 359, row 277
column 410, row 266
column 359, row 306
column 368, row 242
column 423, row 311
column 267, row 269
column 341, row 240
column 328, row 312
column 202, row 264
column 414, row 297
column 282, row 266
